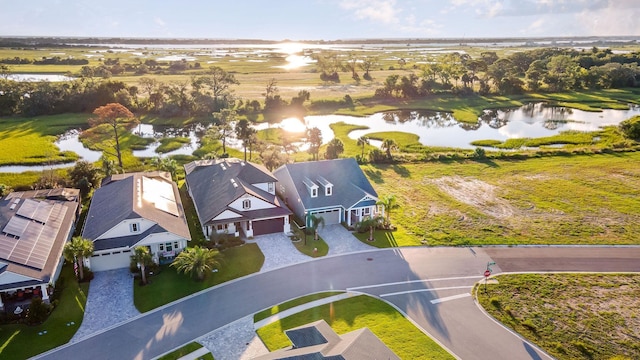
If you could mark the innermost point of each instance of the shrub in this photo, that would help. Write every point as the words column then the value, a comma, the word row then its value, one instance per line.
column 37, row 312
column 631, row 128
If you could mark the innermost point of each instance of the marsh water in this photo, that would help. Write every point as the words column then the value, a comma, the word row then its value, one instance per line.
column 432, row 128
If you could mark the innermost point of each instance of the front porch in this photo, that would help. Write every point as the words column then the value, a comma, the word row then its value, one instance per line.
column 16, row 301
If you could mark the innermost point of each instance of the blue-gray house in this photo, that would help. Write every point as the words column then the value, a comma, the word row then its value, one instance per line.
column 336, row 190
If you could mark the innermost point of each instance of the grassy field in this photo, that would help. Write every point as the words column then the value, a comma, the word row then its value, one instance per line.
column 30, row 141
column 24, row 341
column 354, row 313
column 550, row 200
column 571, row 316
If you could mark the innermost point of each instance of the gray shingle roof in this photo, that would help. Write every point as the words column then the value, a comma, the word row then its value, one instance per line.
column 350, row 184
column 215, row 184
column 116, row 201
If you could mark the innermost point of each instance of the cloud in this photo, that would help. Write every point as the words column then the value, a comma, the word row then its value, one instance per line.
column 159, row 21
column 384, row 11
column 496, row 8
column 619, row 18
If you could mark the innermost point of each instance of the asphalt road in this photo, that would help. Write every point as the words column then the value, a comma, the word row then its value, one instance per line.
column 413, row 279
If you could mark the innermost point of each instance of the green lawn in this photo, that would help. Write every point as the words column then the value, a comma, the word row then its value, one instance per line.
column 307, row 245
column 292, row 303
column 169, row 285
column 23, row 341
column 586, row 199
column 571, row 316
column 347, row 315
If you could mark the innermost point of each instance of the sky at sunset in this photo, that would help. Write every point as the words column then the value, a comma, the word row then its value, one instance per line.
column 319, row 19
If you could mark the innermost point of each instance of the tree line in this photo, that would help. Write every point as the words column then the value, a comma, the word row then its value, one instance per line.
column 548, row 69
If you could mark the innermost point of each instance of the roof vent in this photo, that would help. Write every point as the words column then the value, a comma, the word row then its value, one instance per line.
column 235, row 185
column 222, row 166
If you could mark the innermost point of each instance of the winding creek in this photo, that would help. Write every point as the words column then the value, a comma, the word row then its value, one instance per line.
column 432, row 128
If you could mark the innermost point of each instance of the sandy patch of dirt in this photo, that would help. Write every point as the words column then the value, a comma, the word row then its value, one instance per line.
column 476, row 193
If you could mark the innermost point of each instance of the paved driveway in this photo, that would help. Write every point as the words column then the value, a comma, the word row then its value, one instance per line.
column 110, row 301
column 278, row 251
column 341, row 241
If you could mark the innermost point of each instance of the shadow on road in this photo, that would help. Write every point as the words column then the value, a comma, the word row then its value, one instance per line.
column 531, row 351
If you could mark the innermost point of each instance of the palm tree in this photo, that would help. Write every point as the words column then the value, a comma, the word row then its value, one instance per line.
column 388, row 145
column 363, row 141
column 314, row 222
column 77, row 250
column 370, row 223
column 142, row 257
column 389, row 202
column 197, row 261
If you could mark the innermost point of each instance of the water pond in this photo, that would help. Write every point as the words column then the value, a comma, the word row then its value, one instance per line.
column 433, row 129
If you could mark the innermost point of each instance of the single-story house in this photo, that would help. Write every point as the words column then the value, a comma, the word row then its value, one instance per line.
column 236, row 197
column 135, row 209
column 336, row 190
column 317, row 340
column 34, row 226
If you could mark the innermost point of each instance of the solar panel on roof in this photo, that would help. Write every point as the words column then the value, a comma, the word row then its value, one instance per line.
column 30, row 242
column 16, row 226
column 35, row 210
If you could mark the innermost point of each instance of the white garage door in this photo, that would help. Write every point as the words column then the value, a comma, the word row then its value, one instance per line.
column 110, row 261
column 330, row 216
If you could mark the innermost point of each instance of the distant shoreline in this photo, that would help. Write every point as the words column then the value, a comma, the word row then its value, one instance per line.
column 43, row 40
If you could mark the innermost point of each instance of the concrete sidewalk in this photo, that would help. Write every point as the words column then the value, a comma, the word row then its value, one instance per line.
column 196, row 354
column 299, row 308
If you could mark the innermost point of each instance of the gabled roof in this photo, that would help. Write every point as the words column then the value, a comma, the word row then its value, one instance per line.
column 317, row 340
column 34, row 226
column 350, row 185
column 148, row 195
column 214, row 184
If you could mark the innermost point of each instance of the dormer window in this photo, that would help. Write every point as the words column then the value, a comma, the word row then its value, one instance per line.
column 246, row 204
column 270, row 187
column 134, row 227
column 312, row 187
column 327, row 185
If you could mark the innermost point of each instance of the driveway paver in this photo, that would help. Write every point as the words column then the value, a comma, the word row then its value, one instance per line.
column 341, row 240
column 110, row 301
column 278, row 251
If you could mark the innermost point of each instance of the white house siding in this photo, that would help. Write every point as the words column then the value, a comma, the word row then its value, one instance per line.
column 124, row 228
column 256, row 204
column 265, row 187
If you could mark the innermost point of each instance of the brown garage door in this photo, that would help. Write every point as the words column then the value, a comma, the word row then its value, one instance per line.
column 270, row 226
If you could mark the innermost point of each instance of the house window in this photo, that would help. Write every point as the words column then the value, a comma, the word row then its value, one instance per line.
column 328, row 190
column 175, row 245
column 246, row 204
column 314, row 192
column 270, row 187
column 366, row 211
column 169, row 248
column 135, row 227
column 161, row 247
